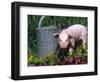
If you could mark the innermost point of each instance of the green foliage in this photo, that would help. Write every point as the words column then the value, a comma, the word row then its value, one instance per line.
column 32, row 25
column 51, row 59
column 79, row 51
column 79, row 54
column 35, row 60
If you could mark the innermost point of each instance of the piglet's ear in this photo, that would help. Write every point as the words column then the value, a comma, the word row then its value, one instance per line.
column 56, row 35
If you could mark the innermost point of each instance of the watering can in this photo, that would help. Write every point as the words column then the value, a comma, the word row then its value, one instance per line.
column 46, row 42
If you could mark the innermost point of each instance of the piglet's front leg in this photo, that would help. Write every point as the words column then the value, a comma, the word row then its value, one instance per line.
column 72, row 45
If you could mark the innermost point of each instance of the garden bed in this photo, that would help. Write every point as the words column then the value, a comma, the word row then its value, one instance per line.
column 79, row 56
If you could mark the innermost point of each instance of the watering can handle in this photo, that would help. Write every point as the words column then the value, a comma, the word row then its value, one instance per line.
column 40, row 21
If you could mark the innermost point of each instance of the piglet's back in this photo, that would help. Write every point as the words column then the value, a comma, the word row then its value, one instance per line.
column 76, row 29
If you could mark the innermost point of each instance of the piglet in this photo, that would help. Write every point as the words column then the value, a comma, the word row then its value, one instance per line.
column 71, row 35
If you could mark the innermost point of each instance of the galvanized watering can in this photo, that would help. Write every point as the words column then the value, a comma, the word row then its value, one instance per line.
column 45, row 40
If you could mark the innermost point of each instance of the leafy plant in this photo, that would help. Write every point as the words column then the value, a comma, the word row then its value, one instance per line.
column 35, row 60
column 79, row 51
column 51, row 59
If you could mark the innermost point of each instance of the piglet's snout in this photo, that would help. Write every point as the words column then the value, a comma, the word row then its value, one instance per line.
column 63, row 45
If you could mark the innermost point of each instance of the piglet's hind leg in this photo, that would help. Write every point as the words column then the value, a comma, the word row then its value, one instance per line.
column 84, row 39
